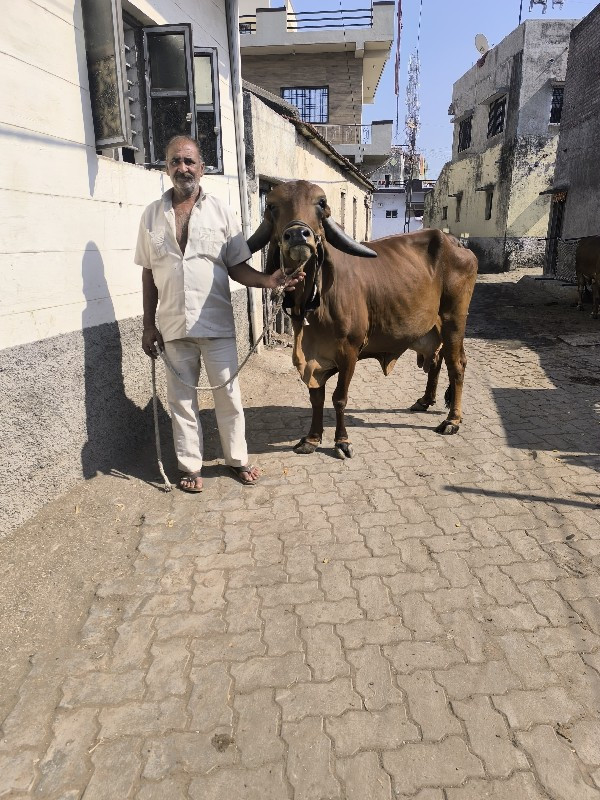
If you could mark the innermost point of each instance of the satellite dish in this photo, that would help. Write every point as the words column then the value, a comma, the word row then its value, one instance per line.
column 481, row 43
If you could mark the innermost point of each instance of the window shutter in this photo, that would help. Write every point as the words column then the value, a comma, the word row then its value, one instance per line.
column 169, row 69
column 103, row 31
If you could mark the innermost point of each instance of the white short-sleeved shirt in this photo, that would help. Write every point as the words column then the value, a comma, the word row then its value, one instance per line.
column 193, row 288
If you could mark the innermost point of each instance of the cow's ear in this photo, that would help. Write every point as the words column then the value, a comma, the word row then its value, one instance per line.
column 273, row 259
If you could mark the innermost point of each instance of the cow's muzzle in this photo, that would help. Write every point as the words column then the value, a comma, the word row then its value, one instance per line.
column 299, row 241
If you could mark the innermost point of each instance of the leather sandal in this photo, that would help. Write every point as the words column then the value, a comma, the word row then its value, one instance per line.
column 243, row 474
column 190, row 476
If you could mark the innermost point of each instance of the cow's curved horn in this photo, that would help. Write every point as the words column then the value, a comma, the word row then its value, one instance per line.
column 261, row 236
column 339, row 239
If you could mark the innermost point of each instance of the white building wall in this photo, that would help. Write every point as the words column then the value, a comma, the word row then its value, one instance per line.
column 388, row 226
column 63, row 209
column 74, row 381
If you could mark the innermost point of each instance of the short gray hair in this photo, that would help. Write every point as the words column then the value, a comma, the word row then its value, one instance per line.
column 185, row 138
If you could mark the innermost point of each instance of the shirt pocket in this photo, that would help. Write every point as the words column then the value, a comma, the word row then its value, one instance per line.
column 207, row 242
column 159, row 246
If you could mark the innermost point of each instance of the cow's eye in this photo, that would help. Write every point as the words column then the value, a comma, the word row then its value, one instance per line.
column 322, row 202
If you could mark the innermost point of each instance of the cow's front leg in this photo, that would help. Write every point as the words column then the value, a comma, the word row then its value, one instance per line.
column 308, row 444
column 343, row 448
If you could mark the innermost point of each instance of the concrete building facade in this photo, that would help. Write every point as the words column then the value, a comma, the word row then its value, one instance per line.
column 506, row 115
column 328, row 64
column 575, row 191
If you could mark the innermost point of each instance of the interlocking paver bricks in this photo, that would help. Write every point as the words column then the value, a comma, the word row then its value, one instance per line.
column 280, row 671
column 309, row 760
column 374, row 597
column 364, row 779
column 468, row 634
column 526, row 708
column 428, row 705
column 556, row 765
column 372, row 678
column 324, row 654
column 67, row 762
column 489, row 737
column 209, row 706
column 265, row 783
column 465, row 680
column 383, row 631
column 335, row 580
column 191, row 752
column 446, row 763
column 419, row 622
column 410, row 656
column 336, row 612
column 116, row 769
column 371, row 730
column 522, row 785
column 317, row 699
column 258, row 728
column 147, row 719
column 418, row 616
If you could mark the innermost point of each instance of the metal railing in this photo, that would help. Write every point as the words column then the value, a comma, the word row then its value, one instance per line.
column 315, row 20
column 345, row 134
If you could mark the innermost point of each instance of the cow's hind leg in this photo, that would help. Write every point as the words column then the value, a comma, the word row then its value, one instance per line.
column 581, row 283
column 595, row 295
column 343, row 448
column 428, row 399
column 456, row 362
column 308, row 444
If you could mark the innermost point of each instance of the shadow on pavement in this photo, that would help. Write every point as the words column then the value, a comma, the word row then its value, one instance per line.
column 540, row 316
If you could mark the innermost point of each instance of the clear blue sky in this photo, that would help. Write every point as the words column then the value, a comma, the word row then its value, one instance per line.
column 447, row 50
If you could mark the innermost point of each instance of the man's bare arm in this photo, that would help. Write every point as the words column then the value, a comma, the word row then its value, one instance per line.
column 151, row 335
column 248, row 276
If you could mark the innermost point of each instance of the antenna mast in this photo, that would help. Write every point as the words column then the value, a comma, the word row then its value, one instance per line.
column 412, row 122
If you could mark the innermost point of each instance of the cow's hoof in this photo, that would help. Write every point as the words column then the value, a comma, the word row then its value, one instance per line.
column 447, row 428
column 344, row 450
column 419, row 406
column 305, row 447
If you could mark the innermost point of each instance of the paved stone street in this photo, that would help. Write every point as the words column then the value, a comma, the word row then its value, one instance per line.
column 421, row 621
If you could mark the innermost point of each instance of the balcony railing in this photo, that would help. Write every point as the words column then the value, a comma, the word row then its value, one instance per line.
column 317, row 20
column 345, row 134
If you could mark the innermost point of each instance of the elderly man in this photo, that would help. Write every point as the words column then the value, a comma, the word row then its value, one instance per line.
column 189, row 244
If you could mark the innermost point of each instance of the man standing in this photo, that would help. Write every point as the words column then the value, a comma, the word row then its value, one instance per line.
column 189, row 244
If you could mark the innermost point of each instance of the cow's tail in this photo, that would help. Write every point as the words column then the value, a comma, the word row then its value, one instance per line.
column 449, row 396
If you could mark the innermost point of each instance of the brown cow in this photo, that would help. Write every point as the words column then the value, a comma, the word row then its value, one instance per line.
column 587, row 269
column 414, row 295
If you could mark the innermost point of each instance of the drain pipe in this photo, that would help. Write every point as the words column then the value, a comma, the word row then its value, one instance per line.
column 233, row 35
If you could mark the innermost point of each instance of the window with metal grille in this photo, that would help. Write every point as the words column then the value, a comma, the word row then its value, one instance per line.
column 311, row 102
column 444, row 212
column 464, row 134
column 496, row 116
column 391, row 213
column 556, row 106
column 458, row 206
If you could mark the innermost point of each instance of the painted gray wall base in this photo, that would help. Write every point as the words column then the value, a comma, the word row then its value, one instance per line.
column 496, row 254
column 74, row 405
column 78, row 405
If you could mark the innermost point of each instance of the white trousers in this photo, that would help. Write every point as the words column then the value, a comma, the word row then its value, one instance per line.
column 220, row 362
